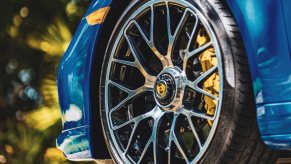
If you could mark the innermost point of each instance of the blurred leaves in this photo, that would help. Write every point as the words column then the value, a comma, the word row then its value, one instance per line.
column 54, row 41
column 33, row 36
column 48, row 114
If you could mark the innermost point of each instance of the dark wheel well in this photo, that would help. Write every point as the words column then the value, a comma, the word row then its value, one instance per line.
column 98, row 144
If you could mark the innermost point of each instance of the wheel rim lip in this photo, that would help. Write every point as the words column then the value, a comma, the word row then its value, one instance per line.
column 116, row 151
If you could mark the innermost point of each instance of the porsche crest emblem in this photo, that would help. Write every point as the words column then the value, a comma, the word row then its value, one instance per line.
column 161, row 89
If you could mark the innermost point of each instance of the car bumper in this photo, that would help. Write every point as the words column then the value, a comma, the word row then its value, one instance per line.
column 275, row 125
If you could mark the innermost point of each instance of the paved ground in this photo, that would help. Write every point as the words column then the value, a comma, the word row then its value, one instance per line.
column 107, row 161
column 280, row 161
column 285, row 159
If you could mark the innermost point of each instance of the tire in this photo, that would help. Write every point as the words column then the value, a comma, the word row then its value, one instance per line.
column 235, row 138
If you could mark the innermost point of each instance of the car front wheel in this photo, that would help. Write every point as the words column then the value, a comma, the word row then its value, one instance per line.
column 176, row 88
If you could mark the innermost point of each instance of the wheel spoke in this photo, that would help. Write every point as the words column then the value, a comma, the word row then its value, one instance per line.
column 173, row 138
column 152, row 27
column 131, row 94
column 168, row 22
column 194, row 131
column 128, row 63
column 174, row 37
column 153, row 138
column 149, row 79
column 166, row 62
column 188, row 112
column 136, row 62
column 183, row 153
column 194, row 85
column 155, row 149
column 157, row 117
column 145, row 150
column 150, row 41
column 198, row 50
column 190, row 42
column 121, row 87
column 172, row 131
column 135, row 120
column 131, row 136
column 193, row 32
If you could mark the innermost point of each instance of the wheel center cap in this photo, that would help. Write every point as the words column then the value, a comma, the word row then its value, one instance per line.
column 167, row 88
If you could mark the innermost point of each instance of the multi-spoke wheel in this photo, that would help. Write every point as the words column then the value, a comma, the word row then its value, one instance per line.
column 162, row 84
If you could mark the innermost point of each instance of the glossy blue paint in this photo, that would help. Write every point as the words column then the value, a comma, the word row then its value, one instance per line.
column 265, row 27
column 271, row 117
column 264, row 32
column 75, row 71
column 287, row 13
column 75, row 144
column 278, row 142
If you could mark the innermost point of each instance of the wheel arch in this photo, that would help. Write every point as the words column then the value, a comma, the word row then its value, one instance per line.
column 82, row 137
column 116, row 9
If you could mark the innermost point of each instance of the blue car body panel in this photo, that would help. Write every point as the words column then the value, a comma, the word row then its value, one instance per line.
column 266, row 31
column 287, row 13
column 264, row 26
column 74, row 79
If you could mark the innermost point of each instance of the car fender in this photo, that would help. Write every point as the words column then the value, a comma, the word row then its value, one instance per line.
column 74, row 88
column 263, row 29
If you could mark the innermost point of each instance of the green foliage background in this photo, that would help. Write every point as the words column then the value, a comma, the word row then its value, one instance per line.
column 33, row 36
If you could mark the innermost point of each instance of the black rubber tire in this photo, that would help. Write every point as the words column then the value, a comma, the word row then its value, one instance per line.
column 236, row 139
column 240, row 141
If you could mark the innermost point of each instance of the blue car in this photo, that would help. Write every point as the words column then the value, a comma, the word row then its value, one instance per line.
column 178, row 81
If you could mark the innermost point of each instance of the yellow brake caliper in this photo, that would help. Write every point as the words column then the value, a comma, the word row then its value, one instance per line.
column 211, row 85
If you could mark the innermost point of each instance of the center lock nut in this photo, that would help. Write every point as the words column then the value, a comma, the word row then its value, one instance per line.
column 168, row 89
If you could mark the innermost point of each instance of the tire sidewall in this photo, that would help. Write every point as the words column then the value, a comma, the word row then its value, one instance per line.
column 223, row 130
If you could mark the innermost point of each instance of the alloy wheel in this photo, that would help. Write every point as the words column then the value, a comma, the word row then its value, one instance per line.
column 163, row 85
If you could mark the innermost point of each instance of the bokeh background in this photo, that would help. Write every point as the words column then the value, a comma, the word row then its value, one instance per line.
column 33, row 37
